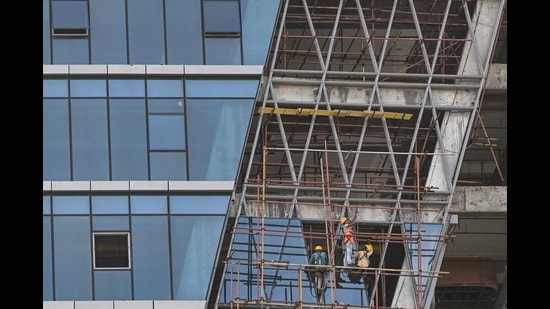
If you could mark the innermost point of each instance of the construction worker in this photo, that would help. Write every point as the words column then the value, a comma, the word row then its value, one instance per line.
column 348, row 240
column 363, row 261
column 363, row 256
column 319, row 257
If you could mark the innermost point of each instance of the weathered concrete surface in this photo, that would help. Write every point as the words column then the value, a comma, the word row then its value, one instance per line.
column 474, row 61
column 286, row 92
column 300, row 95
column 480, row 199
column 497, row 80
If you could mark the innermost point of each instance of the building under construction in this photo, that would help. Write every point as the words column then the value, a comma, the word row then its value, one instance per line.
column 366, row 111
column 196, row 152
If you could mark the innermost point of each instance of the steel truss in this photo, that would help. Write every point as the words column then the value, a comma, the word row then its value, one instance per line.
column 408, row 76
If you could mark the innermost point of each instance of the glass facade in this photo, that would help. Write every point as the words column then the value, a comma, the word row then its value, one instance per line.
column 157, row 31
column 144, row 127
column 172, row 243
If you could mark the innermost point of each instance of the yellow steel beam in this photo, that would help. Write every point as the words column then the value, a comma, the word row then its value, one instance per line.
column 334, row 112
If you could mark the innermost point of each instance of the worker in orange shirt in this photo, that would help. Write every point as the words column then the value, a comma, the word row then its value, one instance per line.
column 348, row 240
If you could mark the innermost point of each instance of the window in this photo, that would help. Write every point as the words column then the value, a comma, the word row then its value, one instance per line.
column 221, row 19
column 111, row 250
column 70, row 18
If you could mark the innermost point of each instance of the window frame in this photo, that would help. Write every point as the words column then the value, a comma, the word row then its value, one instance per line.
column 212, row 29
column 94, row 253
column 68, row 31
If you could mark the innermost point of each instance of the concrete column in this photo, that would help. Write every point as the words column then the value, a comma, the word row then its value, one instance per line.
column 455, row 125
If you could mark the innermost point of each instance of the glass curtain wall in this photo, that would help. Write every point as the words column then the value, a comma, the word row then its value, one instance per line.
column 172, row 240
column 141, row 129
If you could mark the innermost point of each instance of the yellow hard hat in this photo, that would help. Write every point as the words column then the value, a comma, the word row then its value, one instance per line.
column 318, row 248
column 343, row 219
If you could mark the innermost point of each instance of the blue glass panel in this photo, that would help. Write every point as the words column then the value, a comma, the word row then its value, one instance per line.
column 71, row 205
column 113, row 285
column 55, row 88
column 194, row 243
column 146, row 32
column 149, row 204
column 183, row 31
column 88, row 88
column 165, row 105
column 70, row 14
column 353, row 293
column 277, row 248
column 168, row 165
column 127, row 88
column 191, row 204
column 108, row 32
column 221, row 16
column 47, row 263
column 73, row 258
column 221, row 88
column 216, row 140
column 70, row 51
column 258, row 24
column 56, row 162
column 166, row 132
column 46, row 205
column 281, row 249
column 151, row 262
column 46, row 36
column 90, row 140
column 128, row 139
column 109, row 205
column 111, row 223
column 222, row 51
column 430, row 235
column 165, row 88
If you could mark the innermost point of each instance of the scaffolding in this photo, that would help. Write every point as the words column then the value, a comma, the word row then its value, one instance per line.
column 364, row 113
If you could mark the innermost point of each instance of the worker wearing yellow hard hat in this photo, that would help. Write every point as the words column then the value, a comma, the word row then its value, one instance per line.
column 348, row 242
column 320, row 260
column 363, row 255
